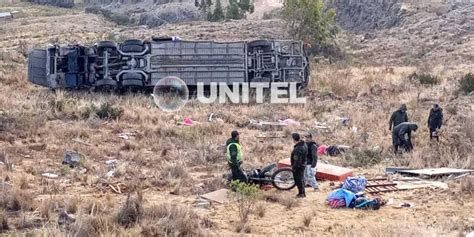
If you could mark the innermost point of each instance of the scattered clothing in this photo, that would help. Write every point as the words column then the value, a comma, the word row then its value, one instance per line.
column 435, row 121
column 355, row 184
column 289, row 122
column 341, row 198
column 401, row 136
column 342, row 195
column 367, row 203
column 333, row 150
column 398, row 117
column 322, row 150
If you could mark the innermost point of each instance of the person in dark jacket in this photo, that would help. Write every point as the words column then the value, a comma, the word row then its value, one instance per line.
column 311, row 161
column 298, row 163
column 234, row 157
column 401, row 136
column 398, row 117
column 435, row 121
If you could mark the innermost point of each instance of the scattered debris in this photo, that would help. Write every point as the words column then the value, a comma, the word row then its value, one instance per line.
column 355, row 184
column 210, row 119
column 6, row 16
column 271, row 135
column 434, row 172
column 78, row 140
column 66, row 219
column 344, row 121
column 405, row 205
column 322, row 126
column 380, row 185
column 73, row 159
column 289, row 122
column 219, row 196
column 417, row 184
column 324, row 171
column 110, row 174
column 187, row 122
column 393, row 170
column 117, row 189
column 111, row 163
column 126, row 135
column 341, row 198
column 202, row 203
column 50, row 175
column 37, row 146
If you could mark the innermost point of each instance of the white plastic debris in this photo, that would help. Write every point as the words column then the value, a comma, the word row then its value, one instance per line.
column 110, row 174
column 50, row 175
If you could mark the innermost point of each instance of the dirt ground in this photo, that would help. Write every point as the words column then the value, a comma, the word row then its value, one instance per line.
column 38, row 126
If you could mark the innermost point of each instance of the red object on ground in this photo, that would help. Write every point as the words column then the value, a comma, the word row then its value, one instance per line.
column 324, row 171
column 322, row 150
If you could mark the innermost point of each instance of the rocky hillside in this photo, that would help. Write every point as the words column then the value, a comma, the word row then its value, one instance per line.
column 408, row 32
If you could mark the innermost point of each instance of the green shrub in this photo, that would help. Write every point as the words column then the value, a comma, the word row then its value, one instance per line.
column 467, row 83
column 309, row 21
column 105, row 111
column 363, row 158
column 424, row 79
column 246, row 195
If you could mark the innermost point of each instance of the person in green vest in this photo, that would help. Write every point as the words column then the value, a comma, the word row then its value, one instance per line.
column 234, row 157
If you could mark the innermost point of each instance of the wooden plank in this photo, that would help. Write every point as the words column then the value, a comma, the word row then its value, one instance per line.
column 219, row 196
column 435, row 171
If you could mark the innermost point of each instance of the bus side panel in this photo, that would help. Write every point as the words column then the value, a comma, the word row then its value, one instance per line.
column 199, row 62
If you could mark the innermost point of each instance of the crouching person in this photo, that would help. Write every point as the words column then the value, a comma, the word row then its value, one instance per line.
column 401, row 136
column 311, row 161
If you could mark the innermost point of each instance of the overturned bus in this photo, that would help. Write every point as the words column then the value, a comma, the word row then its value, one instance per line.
column 136, row 63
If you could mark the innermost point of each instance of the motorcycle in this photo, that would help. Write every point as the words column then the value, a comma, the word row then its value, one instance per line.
column 281, row 179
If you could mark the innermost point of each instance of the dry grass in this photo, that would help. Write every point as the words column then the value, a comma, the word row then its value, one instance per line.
column 260, row 209
column 164, row 156
column 131, row 211
column 4, row 227
column 307, row 218
column 289, row 201
column 467, row 184
column 170, row 220
column 17, row 200
column 73, row 205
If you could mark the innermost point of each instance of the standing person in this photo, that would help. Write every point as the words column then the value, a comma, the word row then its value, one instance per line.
column 298, row 163
column 398, row 117
column 401, row 136
column 435, row 121
column 311, row 161
column 234, row 157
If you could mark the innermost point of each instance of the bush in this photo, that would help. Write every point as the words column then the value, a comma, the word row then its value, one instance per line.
column 3, row 223
column 105, row 111
column 171, row 220
column 246, row 196
column 309, row 20
column 467, row 83
column 118, row 18
column 424, row 79
column 363, row 158
column 131, row 211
